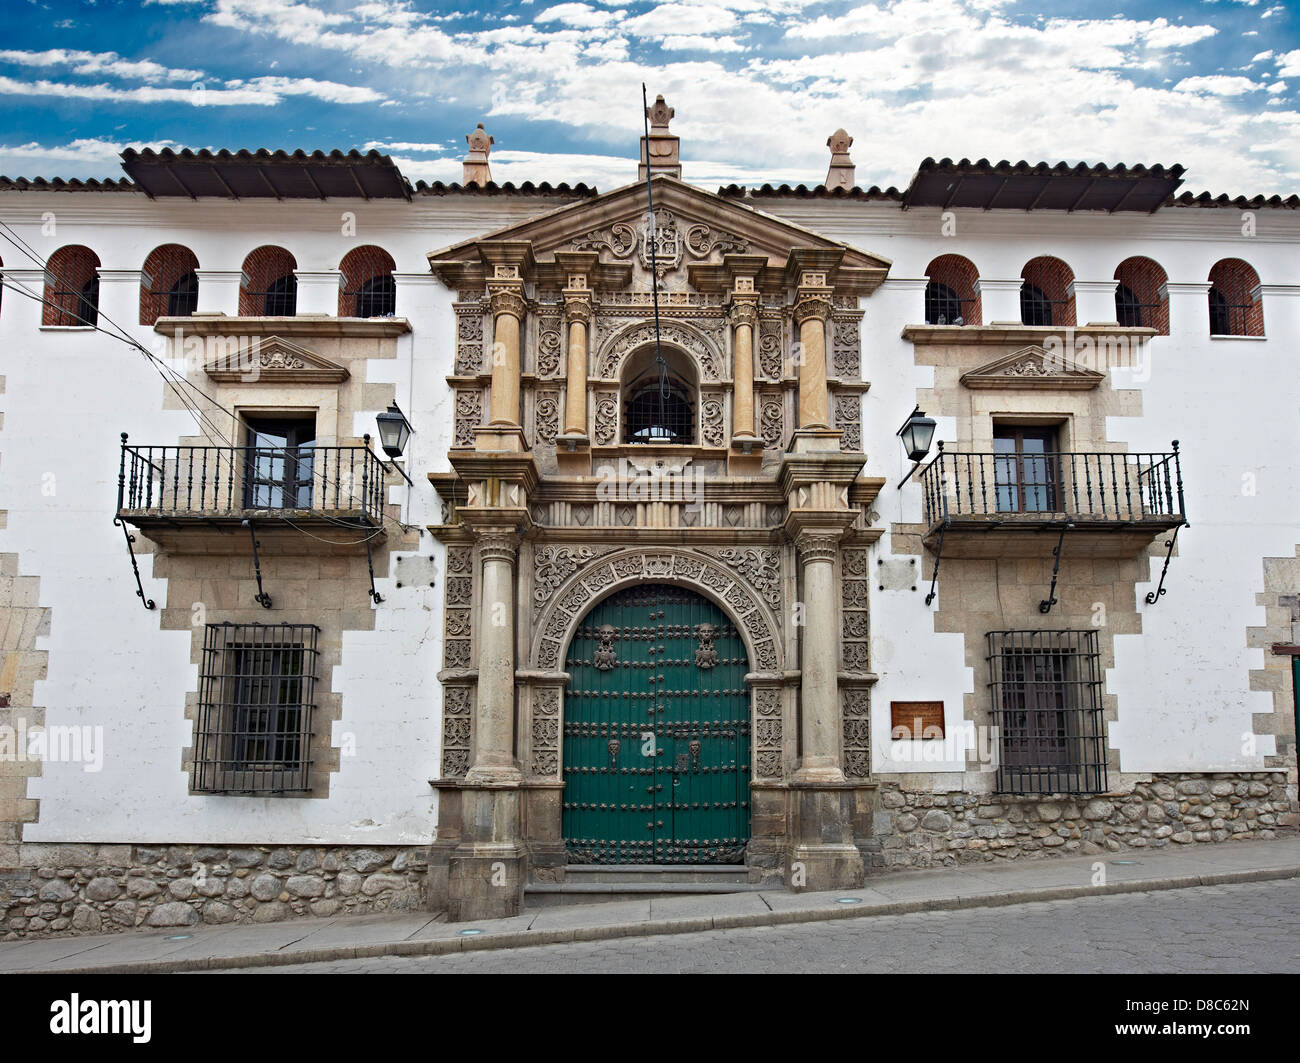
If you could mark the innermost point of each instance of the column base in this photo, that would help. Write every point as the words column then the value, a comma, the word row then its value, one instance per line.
column 485, row 881
column 500, row 437
column 816, row 868
column 494, row 775
column 815, row 440
column 823, row 854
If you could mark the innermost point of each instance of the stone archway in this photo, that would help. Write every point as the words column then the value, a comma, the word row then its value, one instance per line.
column 744, row 582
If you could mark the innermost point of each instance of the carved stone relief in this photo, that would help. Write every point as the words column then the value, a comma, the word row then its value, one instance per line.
column 768, row 751
column 546, row 733
column 848, row 419
column 469, row 415
column 686, row 337
column 548, row 416
column 561, row 617
column 457, row 730
column 857, row 732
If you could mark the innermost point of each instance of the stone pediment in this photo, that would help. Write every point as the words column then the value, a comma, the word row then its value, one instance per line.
column 271, row 359
column 1033, row 367
column 694, row 230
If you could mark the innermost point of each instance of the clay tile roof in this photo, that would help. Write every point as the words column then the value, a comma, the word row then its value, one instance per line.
column 58, row 184
column 266, row 174
column 544, row 188
column 1205, row 199
column 1041, row 186
column 804, row 192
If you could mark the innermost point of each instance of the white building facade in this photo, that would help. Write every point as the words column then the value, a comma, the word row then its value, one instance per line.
column 333, row 690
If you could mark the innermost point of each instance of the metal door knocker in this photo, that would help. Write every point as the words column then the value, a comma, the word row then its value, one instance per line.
column 706, row 656
column 606, row 657
column 694, row 747
column 614, row 746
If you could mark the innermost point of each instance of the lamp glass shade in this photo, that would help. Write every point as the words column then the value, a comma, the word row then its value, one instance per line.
column 917, row 435
column 394, row 431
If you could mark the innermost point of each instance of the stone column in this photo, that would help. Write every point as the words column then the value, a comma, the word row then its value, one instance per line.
column 1094, row 301
column 219, row 290
column 812, row 309
column 744, row 319
column 999, row 300
column 577, row 313
column 119, row 295
column 506, row 299
column 819, row 692
column 318, row 292
column 494, row 717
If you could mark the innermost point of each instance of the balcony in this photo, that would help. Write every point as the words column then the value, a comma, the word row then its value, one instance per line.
column 169, row 492
column 1009, row 504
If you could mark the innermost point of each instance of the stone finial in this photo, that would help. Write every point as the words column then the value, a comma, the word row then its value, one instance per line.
column 660, row 114
column 476, row 169
column 841, row 173
column 661, row 150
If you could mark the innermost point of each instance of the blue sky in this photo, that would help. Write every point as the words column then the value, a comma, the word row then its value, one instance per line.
column 757, row 85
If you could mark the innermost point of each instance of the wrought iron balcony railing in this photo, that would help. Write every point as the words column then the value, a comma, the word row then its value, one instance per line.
column 209, row 483
column 1029, row 488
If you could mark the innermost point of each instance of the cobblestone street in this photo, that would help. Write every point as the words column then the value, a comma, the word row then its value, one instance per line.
column 1251, row 927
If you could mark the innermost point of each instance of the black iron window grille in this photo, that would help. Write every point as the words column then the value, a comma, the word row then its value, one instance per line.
column 1045, row 689
column 183, row 299
column 256, row 699
column 1228, row 319
column 1130, row 312
column 1036, row 308
column 281, row 298
column 659, row 411
column 376, row 297
column 76, row 306
column 942, row 305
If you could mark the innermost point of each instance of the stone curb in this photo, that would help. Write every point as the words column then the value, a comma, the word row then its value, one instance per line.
column 659, row 927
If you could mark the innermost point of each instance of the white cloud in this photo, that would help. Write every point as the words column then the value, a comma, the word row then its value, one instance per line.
column 263, row 92
column 1277, row 86
column 1218, row 85
column 666, row 20
column 1288, row 64
column 99, row 63
column 699, row 43
column 580, row 16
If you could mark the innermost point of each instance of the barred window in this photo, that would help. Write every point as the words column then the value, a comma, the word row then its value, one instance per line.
column 942, row 307
column 1035, row 307
column 256, row 692
column 658, row 398
column 1046, row 708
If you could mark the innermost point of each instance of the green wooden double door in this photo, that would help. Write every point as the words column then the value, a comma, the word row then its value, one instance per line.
column 656, row 732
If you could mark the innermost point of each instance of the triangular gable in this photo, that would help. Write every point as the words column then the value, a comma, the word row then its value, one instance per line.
column 1035, row 368
column 273, row 359
column 706, row 226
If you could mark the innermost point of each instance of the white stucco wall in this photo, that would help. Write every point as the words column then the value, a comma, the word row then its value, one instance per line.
column 1182, row 684
column 68, row 395
column 1234, row 405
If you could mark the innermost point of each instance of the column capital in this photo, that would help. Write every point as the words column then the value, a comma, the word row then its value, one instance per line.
column 496, row 543
column 577, row 304
column 821, row 544
column 812, row 303
column 507, row 298
column 743, row 309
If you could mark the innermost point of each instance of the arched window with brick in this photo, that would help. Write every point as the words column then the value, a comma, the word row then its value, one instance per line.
column 170, row 285
column 71, row 287
column 269, row 288
column 1045, row 296
column 1141, row 300
column 368, row 287
column 1236, row 307
column 950, row 295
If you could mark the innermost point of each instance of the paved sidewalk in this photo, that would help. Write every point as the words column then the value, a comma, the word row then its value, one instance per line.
column 419, row 934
